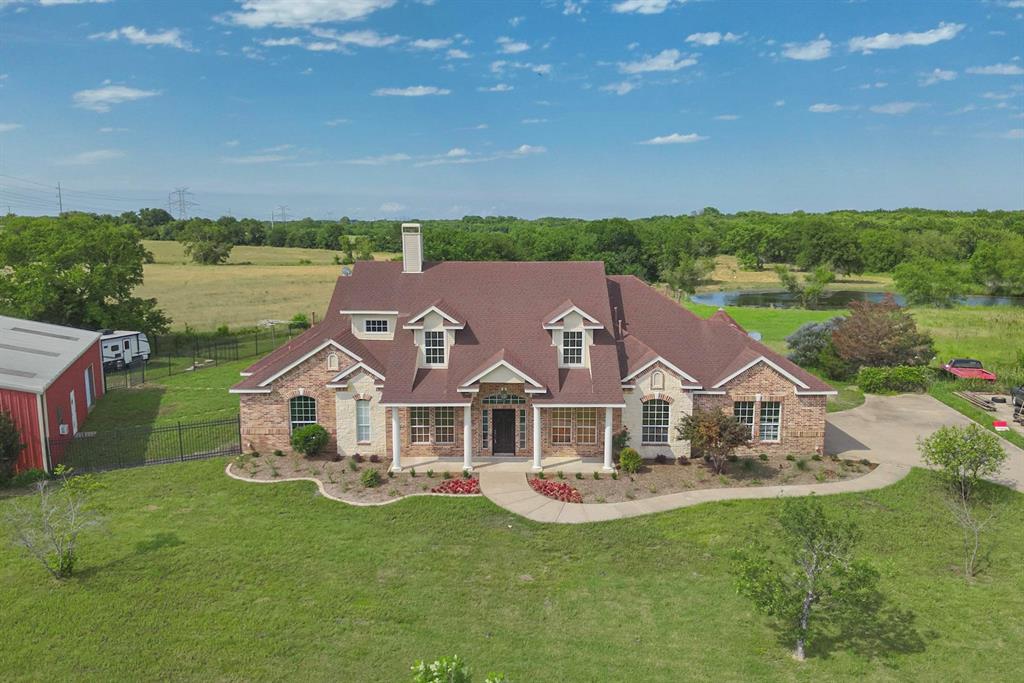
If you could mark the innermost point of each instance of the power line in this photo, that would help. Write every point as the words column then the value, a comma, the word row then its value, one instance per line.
column 180, row 200
column 282, row 211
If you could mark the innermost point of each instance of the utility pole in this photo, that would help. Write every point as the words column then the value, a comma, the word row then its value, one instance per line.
column 60, row 200
column 180, row 201
column 283, row 211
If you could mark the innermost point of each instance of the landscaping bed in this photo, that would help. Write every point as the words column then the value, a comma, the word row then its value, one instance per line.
column 658, row 479
column 354, row 479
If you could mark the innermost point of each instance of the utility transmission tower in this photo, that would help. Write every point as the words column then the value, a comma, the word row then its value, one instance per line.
column 282, row 212
column 60, row 200
column 180, row 201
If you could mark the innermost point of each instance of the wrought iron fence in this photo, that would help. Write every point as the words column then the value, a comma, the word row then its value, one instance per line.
column 146, row 445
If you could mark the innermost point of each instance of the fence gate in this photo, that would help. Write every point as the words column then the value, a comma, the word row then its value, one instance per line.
column 145, row 445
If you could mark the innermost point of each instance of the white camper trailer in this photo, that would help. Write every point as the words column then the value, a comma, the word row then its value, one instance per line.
column 122, row 347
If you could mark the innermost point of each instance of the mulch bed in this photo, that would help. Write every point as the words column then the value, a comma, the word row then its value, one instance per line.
column 341, row 478
column 658, row 479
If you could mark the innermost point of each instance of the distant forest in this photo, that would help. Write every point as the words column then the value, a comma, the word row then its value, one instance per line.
column 984, row 249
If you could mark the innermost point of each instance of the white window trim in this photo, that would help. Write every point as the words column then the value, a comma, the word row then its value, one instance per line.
column 582, row 349
column 500, row 364
column 443, row 347
column 778, row 439
column 668, row 426
column 591, row 323
column 369, row 423
column 300, row 361
column 386, row 330
column 670, row 366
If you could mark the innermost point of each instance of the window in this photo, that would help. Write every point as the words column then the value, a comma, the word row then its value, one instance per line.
column 126, row 345
column 561, row 425
column 375, row 326
column 655, row 422
column 485, row 428
column 444, row 425
column 657, row 380
column 503, row 397
column 771, row 420
column 433, row 348
column 572, row 348
column 363, row 421
column 332, row 361
column 743, row 411
column 302, row 410
column 522, row 428
column 586, row 425
column 419, row 423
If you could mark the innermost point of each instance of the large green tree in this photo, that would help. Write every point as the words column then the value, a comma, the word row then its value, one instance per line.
column 78, row 270
column 207, row 242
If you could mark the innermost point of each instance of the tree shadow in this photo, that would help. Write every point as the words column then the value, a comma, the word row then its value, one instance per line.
column 156, row 542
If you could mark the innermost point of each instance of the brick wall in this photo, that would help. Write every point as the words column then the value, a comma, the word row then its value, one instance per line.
column 803, row 417
column 424, row 450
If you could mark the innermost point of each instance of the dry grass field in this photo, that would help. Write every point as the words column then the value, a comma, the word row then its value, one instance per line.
column 727, row 276
column 256, row 284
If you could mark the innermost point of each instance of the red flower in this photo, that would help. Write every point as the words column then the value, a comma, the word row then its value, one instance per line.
column 556, row 490
column 456, row 486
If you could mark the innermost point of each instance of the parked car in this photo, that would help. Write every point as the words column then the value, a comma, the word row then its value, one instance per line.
column 1018, row 395
column 969, row 368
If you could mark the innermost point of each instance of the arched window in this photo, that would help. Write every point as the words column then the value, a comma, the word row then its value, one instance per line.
column 657, row 380
column 332, row 361
column 655, row 422
column 302, row 411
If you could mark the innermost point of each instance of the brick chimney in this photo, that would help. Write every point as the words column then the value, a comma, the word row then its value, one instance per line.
column 412, row 248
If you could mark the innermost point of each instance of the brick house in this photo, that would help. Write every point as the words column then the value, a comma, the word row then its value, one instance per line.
column 475, row 360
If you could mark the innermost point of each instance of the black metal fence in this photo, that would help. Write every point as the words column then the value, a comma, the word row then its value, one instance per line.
column 145, row 445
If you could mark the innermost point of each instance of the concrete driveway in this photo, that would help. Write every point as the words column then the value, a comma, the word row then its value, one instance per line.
column 886, row 428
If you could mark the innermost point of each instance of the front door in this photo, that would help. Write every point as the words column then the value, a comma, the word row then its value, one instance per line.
column 504, row 432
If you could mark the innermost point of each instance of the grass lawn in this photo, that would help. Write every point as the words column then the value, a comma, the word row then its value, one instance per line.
column 943, row 391
column 205, row 578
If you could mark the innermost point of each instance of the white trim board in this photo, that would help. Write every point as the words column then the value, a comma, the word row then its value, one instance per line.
column 300, row 361
column 508, row 366
column 670, row 366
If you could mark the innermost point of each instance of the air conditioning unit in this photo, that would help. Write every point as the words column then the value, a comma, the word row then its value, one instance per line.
column 64, row 430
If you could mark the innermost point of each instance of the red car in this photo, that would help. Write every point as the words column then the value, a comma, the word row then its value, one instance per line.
column 968, row 368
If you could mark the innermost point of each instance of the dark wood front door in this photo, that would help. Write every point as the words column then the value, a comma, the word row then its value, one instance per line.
column 504, row 432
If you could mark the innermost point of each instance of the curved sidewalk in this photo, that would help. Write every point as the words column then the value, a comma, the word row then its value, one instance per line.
column 510, row 490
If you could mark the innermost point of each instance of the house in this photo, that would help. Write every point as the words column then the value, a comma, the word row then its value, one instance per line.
column 473, row 360
column 50, row 378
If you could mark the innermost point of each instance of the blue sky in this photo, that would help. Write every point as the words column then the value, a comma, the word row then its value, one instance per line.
column 401, row 109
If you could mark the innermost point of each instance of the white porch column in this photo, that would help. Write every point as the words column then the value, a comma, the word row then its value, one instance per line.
column 467, row 438
column 536, row 438
column 608, row 466
column 396, row 446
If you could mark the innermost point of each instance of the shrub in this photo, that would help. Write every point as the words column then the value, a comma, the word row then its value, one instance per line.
column 412, row 472
column 790, row 457
column 661, row 458
column 763, row 457
column 620, row 440
column 10, row 445
column 810, row 340
column 597, row 475
column 466, row 474
column 27, row 478
column 352, row 465
column 357, row 457
column 279, row 453
column 713, row 434
column 615, row 475
column 540, row 475
column 430, row 473
column 682, row 460
column 900, row 378
column 561, row 474
column 879, row 334
column 254, row 454
column 310, row 439
column 579, row 475
column 447, row 474
column 747, row 464
column 963, row 455
column 630, row 461
column 374, row 458
column 370, row 479
column 801, row 464
column 816, row 458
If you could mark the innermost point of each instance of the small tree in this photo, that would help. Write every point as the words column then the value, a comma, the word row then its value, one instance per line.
column 47, row 525
column 821, row 574
column 10, row 445
column 713, row 434
column 964, row 456
column 928, row 282
column 810, row 340
column 206, row 242
column 686, row 274
column 881, row 333
column 808, row 292
column 310, row 439
column 448, row 670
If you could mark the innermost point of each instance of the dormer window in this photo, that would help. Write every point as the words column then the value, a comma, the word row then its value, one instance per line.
column 375, row 326
column 433, row 348
column 572, row 348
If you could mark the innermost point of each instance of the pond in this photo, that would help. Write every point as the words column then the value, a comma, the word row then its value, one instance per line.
column 833, row 298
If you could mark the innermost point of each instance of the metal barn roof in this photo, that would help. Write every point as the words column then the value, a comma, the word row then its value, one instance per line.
column 33, row 355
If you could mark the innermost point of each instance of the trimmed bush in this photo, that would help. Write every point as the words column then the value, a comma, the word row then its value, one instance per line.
column 27, row 478
column 370, row 479
column 310, row 439
column 630, row 461
column 900, row 378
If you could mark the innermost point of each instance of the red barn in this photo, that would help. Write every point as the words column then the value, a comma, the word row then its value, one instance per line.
column 50, row 378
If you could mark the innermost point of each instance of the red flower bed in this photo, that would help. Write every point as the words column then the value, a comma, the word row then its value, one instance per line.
column 458, row 486
column 556, row 490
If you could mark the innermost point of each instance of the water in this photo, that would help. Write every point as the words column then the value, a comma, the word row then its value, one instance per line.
column 833, row 298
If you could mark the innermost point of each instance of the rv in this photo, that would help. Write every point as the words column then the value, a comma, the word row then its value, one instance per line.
column 121, row 348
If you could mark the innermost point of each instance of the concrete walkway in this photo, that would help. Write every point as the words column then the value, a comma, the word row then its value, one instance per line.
column 886, row 429
column 509, row 489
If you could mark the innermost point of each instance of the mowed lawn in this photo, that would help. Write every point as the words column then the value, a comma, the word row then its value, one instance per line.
column 200, row 577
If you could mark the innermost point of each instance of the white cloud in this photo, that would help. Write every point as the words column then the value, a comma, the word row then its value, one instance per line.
column 780, row 103
column 894, row 41
column 675, row 139
column 95, row 156
column 511, row 47
column 666, row 60
column 363, row 38
column 712, row 38
column 457, row 152
column 876, row 85
column 139, row 36
column 111, row 129
column 430, row 43
column 101, row 99
column 308, row 71
column 726, row 117
column 391, row 207
column 808, row 52
column 457, row 54
column 231, row 143
column 1014, row 134
column 500, row 65
column 936, row 76
column 524, row 150
column 964, row 110
column 460, row 156
column 280, row 42
column 500, row 87
column 573, row 7
column 825, row 108
column 533, row 121
column 380, row 160
column 411, row 91
column 619, row 88
column 8, row 127
column 895, row 108
column 515, row 21
column 297, row 13
column 644, row 6
column 997, row 70
column 256, row 159
column 335, row 122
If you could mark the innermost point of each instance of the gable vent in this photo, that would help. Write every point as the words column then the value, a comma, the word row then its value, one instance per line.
column 412, row 248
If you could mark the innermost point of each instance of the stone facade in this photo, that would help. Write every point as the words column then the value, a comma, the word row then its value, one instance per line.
column 669, row 389
column 360, row 387
column 802, row 428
